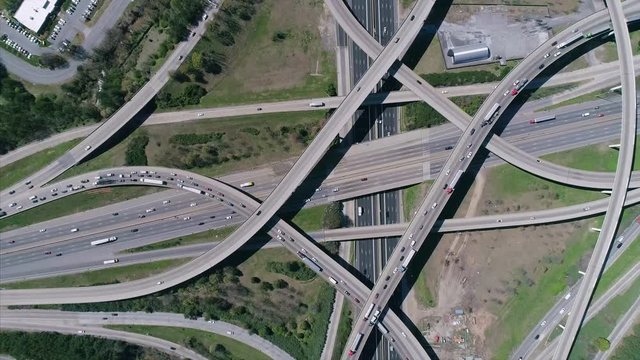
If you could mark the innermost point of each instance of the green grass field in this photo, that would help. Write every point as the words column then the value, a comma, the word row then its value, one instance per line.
column 310, row 219
column 578, row 100
column 593, row 158
column 207, row 236
column 112, row 275
column 423, row 293
column 206, row 340
column 72, row 204
column 344, row 327
column 22, row 168
column 602, row 324
column 536, row 300
column 411, row 198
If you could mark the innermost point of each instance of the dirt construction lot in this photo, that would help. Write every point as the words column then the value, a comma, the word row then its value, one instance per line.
column 489, row 276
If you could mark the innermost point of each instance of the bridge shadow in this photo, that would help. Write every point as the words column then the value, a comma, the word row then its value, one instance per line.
column 133, row 124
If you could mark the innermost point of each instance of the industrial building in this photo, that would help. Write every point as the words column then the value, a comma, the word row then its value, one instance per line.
column 468, row 53
column 33, row 13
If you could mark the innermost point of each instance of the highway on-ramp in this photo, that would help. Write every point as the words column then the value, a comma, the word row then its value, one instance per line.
column 621, row 182
column 82, row 320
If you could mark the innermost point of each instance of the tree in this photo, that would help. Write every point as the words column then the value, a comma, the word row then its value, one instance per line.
column 281, row 284
column 196, row 60
column 255, row 280
column 53, row 61
column 332, row 218
column 602, row 343
column 266, row 286
column 331, row 90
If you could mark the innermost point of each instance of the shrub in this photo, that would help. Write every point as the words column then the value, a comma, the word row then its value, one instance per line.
column 135, row 154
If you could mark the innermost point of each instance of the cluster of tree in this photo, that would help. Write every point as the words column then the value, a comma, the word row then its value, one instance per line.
column 55, row 346
column 190, row 95
column 217, row 352
column 209, row 56
column 469, row 103
column 293, row 269
column 25, row 117
column 180, row 16
column 135, row 154
column 219, row 294
column 12, row 5
column 419, row 115
column 465, row 77
column 53, row 61
column 629, row 348
column 332, row 217
column 195, row 139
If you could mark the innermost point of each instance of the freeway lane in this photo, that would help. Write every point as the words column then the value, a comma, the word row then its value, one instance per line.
column 151, row 232
column 621, row 183
column 405, row 154
column 436, row 198
column 401, row 96
column 454, row 114
column 81, row 320
column 351, row 286
column 553, row 317
column 118, row 120
column 138, row 339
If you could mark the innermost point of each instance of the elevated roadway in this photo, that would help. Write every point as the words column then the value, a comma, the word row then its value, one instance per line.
column 459, row 118
column 621, row 182
column 118, row 120
column 555, row 315
column 436, row 199
column 290, row 238
column 83, row 320
column 603, row 71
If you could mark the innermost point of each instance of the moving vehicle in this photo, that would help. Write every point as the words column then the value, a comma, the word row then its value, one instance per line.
column 153, row 181
column 104, row 241
column 333, row 281
column 374, row 318
column 407, row 260
column 360, row 210
column 247, row 184
column 193, row 190
column 110, row 261
column 74, row 230
column 454, row 181
column 542, row 119
column 316, row 104
column 570, row 40
column 585, row 114
column 492, row 112
column 369, row 311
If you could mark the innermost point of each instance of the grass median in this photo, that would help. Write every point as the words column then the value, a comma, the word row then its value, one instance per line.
column 205, row 343
column 23, row 168
column 75, row 203
column 105, row 276
column 603, row 323
column 207, row 236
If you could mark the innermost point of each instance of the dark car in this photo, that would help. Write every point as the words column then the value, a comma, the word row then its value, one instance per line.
column 114, row 314
column 201, row 223
column 115, row 214
column 619, row 245
column 537, row 337
column 59, row 254
column 448, row 148
column 364, row 179
column 142, row 216
column 541, row 66
column 134, row 230
column 47, row 252
column 377, row 295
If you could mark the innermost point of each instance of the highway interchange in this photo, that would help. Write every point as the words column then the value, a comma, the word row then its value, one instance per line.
column 259, row 214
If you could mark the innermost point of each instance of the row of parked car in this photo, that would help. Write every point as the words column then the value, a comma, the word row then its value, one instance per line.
column 19, row 28
column 14, row 45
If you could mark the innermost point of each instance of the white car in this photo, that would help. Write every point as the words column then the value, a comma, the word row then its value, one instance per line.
column 228, row 217
column 187, row 218
column 562, row 311
column 74, row 230
column 200, row 114
column 150, row 210
column 557, row 54
column 193, row 204
column 543, row 323
column 166, row 202
column 87, row 148
column 585, row 114
column 12, row 204
column 43, row 230
column 160, row 283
